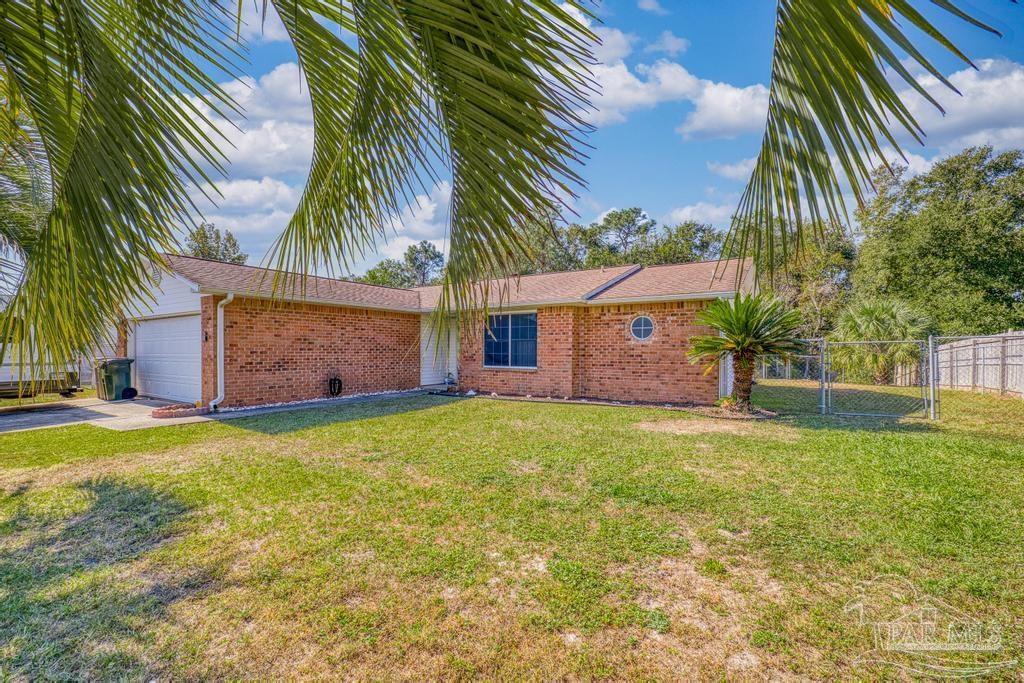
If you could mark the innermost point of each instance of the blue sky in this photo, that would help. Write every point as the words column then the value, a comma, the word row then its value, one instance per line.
column 678, row 121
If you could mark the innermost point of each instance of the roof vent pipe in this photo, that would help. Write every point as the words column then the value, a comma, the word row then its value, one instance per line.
column 220, row 349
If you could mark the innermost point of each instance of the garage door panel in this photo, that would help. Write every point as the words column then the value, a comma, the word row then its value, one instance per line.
column 168, row 358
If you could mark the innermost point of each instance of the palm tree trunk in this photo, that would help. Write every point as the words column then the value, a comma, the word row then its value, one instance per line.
column 743, row 380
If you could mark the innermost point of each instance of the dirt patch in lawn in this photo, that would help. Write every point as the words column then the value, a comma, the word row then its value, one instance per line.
column 711, row 617
column 701, row 426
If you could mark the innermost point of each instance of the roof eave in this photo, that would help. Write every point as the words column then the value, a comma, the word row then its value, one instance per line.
column 311, row 300
column 690, row 296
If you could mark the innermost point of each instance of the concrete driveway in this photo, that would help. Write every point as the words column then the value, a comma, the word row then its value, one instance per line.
column 123, row 416
column 116, row 415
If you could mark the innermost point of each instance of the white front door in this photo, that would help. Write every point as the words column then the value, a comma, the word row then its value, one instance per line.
column 168, row 358
column 438, row 352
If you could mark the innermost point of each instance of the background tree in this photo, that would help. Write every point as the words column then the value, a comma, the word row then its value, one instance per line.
column 622, row 237
column 611, row 240
column 389, row 273
column 424, row 263
column 950, row 242
column 750, row 326
column 816, row 281
column 551, row 247
column 683, row 243
column 208, row 242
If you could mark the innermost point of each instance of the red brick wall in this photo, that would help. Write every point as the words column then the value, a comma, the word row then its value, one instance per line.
column 276, row 353
column 615, row 365
column 589, row 352
column 208, row 328
column 556, row 330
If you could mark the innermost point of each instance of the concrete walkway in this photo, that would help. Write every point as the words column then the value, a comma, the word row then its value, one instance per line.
column 123, row 416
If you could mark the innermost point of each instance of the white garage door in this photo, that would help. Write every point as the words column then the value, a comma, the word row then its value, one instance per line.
column 168, row 357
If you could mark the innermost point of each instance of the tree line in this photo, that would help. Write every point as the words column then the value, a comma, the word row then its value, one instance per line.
column 940, row 252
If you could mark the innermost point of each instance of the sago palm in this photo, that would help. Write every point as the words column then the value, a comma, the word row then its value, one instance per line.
column 750, row 326
column 490, row 94
column 887, row 333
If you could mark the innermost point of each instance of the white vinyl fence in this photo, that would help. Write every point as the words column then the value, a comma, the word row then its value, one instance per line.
column 991, row 364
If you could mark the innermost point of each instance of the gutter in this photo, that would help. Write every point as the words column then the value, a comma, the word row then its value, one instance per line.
column 313, row 300
column 220, row 350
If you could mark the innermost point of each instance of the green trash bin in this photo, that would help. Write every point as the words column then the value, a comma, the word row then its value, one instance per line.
column 114, row 379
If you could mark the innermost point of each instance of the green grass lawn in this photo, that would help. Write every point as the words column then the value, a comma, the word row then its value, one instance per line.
column 438, row 538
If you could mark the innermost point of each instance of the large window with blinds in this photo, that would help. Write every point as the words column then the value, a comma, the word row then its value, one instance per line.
column 510, row 341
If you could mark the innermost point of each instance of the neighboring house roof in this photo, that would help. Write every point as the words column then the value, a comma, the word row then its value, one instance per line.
column 215, row 277
column 619, row 284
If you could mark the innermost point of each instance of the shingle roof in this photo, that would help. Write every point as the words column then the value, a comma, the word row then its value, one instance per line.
column 595, row 286
column 248, row 280
column 682, row 279
column 545, row 288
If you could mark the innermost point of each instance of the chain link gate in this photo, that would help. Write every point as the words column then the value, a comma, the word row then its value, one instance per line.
column 881, row 378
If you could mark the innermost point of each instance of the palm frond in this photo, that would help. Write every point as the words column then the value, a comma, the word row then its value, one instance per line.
column 486, row 92
column 833, row 109
column 748, row 326
column 110, row 88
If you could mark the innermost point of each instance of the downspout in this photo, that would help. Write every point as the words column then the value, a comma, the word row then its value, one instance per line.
column 220, row 350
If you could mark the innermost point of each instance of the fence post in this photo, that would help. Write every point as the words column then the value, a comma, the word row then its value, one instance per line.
column 822, row 407
column 1002, row 366
column 931, row 377
column 974, row 365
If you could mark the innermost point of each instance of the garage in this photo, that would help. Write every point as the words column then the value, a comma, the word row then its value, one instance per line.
column 168, row 361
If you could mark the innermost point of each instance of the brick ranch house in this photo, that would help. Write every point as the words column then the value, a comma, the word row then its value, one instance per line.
column 214, row 333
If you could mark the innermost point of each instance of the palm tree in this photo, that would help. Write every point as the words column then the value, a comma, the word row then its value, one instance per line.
column 489, row 93
column 750, row 326
column 887, row 332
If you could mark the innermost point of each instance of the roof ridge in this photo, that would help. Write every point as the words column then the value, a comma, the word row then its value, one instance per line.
column 608, row 284
column 566, row 272
column 288, row 272
column 696, row 263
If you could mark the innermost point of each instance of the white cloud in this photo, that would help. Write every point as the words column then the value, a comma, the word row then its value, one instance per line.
column 273, row 134
column 722, row 110
column 256, row 26
column 623, row 91
column 704, row 212
column 280, row 95
column 427, row 216
column 669, row 43
column 725, row 111
column 248, row 195
column 612, row 44
column 652, row 6
column 990, row 112
column 739, row 170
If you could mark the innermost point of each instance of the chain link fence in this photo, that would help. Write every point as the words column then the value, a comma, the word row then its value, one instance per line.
column 973, row 379
column 792, row 385
column 873, row 378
